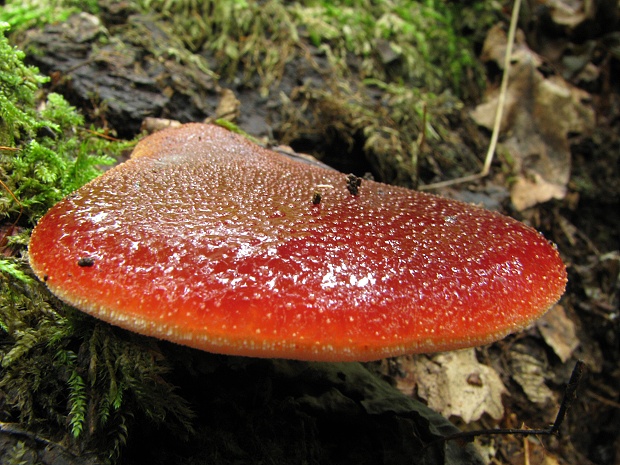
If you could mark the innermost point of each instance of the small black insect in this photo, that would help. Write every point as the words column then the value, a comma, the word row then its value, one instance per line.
column 86, row 261
column 316, row 198
column 353, row 184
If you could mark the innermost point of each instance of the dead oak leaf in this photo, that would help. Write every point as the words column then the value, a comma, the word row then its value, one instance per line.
column 558, row 331
column 456, row 384
column 539, row 115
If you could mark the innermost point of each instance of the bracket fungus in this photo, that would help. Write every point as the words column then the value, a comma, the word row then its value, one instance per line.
column 205, row 239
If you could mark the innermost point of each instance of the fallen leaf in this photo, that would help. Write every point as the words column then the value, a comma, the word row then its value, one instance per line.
column 539, row 115
column 228, row 107
column 558, row 331
column 570, row 13
column 528, row 191
column 529, row 372
column 456, row 384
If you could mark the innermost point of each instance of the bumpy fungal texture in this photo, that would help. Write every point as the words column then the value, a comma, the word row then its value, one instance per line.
column 206, row 239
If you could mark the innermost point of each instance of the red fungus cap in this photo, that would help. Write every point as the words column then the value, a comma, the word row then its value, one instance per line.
column 208, row 240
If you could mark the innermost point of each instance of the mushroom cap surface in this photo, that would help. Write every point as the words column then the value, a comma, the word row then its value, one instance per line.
column 208, row 240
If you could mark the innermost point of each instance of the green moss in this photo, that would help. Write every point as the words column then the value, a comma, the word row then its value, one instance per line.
column 426, row 41
column 17, row 86
column 383, row 75
column 64, row 376
column 418, row 56
column 70, row 379
column 23, row 14
column 415, row 52
column 46, row 153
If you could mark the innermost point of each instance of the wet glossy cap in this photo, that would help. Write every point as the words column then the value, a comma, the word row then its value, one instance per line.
column 206, row 239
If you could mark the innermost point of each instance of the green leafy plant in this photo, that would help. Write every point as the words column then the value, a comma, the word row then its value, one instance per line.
column 45, row 152
column 65, row 378
column 70, row 379
column 22, row 14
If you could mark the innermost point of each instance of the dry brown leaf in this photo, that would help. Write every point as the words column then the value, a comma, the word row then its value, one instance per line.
column 529, row 372
column 570, row 12
column 456, row 384
column 229, row 106
column 529, row 191
column 539, row 115
column 558, row 331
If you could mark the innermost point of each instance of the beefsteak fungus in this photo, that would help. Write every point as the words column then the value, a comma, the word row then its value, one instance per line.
column 208, row 240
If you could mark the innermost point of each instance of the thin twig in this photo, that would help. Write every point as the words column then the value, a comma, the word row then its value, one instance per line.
column 14, row 429
column 21, row 210
column 422, row 137
column 570, row 394
column 603, row 400
column 526, row 451
column 100, row 135
column 567, row 400
column 9, row 231
column 501, row 102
